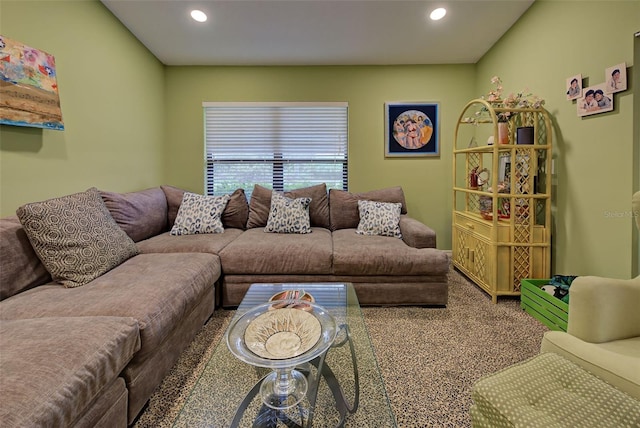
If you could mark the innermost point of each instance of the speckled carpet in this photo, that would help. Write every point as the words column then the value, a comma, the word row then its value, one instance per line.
column 429, row 357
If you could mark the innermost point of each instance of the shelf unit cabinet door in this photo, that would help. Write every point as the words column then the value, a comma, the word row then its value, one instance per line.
column 474, row 256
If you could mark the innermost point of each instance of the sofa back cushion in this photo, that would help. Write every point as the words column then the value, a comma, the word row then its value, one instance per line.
column 21, row 267
column 140, row 214
column 234, row 215
column 260, row 205
column 343, row 206
column 75, row 237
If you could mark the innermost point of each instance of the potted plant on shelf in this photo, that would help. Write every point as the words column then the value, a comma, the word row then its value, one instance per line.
column 520, row 99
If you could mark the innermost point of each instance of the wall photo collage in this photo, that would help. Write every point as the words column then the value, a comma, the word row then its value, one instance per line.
column 597, row 98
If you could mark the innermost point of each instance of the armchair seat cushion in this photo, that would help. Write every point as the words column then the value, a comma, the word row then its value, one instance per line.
column 550, row 391
column 617, row 362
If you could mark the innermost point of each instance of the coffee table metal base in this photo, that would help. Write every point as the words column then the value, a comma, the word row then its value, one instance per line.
column 294, row 417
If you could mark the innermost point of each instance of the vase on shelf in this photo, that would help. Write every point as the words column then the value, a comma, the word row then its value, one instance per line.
column 503, row 133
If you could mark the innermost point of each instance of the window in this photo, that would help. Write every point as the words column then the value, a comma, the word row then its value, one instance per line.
column 283, row 146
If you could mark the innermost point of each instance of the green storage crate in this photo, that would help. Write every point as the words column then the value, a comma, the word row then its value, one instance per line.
column 541, row 305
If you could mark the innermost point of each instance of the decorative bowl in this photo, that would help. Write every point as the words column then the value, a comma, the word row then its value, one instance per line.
column 284, row 337
column 284, row 299
column 282, row 333
column 281, row 339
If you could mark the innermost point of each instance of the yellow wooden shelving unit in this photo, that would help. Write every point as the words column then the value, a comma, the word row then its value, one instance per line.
column 502, row 229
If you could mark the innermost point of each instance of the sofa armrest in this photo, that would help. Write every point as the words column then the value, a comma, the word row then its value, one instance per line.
column 416, row 234
column 603, row 309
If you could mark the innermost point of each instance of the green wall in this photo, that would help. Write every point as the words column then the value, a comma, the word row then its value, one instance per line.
column 594, row 156
column 132, row 123
column 426, row 181
column 112, row 98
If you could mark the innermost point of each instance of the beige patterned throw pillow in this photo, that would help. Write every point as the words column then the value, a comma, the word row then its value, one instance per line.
column 288, row 215
column 379, row 218
column 75, row 237
column 200, row 214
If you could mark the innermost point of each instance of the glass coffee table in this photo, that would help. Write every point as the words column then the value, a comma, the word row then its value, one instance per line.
column 345, row 385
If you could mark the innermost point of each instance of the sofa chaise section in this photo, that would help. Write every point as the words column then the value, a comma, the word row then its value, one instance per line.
column 387, row 271
column 65, row 371
column 163, row 292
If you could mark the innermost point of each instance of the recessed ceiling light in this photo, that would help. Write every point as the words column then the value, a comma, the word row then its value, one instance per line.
column 438, row 13
column 199, row 15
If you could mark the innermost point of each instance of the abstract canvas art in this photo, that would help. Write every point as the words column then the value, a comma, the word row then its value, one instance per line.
column 28, row 87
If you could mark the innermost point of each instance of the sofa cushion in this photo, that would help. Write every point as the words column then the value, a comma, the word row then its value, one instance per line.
column 379, row 218
column 21, row 268
column 355, row 254
column 54, row 368
column 174, row 199
column 200, row 214
column 158, row 290
column 141, row 214
column 260, row 205
column 288, row 215
column 202, row 243
column 256, row 252
column 235, row 214
column 343, row 206
column 75, row 237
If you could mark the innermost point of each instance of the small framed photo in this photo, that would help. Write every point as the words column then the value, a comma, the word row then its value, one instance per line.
column 616, row 78
column 595, row 100
column 412, row 129
column 574, row 87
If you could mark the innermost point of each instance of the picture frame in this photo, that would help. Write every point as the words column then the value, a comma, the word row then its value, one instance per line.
column 504, row 168
column 574, row 87
column 28, row 87
column 412, row 129
column 616, row 78
column 595, row 100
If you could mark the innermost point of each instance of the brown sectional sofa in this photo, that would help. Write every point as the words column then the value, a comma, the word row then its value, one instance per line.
column 92, row 355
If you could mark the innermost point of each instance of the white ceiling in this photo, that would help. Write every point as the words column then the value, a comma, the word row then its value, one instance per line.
column 317, row 32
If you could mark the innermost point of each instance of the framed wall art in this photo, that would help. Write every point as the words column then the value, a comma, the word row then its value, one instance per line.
column 595, row 100
column 574, row 87
column 28, row 87
column 616, row 78
column 412, row 129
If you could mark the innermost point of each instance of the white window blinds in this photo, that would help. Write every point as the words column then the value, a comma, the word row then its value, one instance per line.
column 282, row 146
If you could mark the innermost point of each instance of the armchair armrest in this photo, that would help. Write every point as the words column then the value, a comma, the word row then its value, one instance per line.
column 604, row 309
column 416, row 234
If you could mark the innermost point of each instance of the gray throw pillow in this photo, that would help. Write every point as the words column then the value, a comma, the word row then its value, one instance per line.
column 379, row 218
column 200, row 214
column 288, row 215
column 75, row 237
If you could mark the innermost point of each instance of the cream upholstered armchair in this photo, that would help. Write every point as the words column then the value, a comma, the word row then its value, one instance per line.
column 603, row 333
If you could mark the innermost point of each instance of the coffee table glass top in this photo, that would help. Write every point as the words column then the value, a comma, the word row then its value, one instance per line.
column 225, row 381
